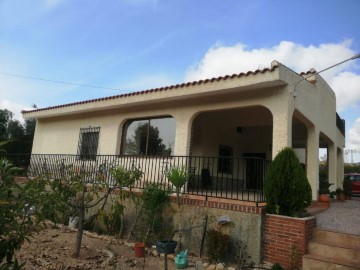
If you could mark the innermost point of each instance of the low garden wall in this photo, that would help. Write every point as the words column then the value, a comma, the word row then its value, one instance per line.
column 264, row 237
column 286, row 239
column 246, row 223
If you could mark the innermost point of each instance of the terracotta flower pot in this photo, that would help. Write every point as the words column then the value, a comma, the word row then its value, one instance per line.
column 139, row 249
column 324, row 198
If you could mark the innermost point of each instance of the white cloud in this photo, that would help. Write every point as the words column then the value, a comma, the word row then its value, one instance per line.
column 352, row 153
column 14, row 108
column 347, row 88
column 226, row 60
column 354, row 136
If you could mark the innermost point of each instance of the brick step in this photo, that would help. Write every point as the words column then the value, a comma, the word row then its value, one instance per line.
column 318, row 262
column 336, row 238
column 333, row 251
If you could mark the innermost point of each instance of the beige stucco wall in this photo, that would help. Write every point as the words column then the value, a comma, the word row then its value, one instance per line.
column 49, row 132
column 57, row 130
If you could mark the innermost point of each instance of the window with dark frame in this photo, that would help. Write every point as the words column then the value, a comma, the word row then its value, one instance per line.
column 88, row 143
column 149, row 137
column 225, row 164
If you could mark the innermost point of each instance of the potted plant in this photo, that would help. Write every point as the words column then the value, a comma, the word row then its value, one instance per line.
column 340, row 194
column 324, row 191
column 347, row 186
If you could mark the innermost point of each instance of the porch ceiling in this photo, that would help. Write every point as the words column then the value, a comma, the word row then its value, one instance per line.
column 248, row 116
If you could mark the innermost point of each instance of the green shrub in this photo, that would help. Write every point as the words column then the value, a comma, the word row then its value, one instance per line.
column 21, row 212
column 155, row 199
column 286, row 186
column 16, row 146
column 324, row 186
column 347, row 185
column 276, row 266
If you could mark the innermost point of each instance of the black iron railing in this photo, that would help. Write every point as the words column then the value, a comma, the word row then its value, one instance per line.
column 242, row 180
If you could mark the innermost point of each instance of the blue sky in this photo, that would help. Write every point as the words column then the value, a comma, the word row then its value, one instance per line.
column 134, row 45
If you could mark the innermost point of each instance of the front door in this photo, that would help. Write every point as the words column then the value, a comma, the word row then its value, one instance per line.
column 254, row 170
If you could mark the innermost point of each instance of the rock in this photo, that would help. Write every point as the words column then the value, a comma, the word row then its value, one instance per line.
column 220, row 266
column 231, row 268
column 199, row 265
column 155, row 253
column 128, row 244
column 170, row 256
column 206, row 264
column 211, row 267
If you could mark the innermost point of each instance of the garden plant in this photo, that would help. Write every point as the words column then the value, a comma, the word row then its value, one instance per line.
column 286, row 186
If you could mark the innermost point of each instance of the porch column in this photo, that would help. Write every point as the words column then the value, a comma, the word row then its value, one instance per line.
column 340, row 167
column 312, row 160
column 332, row 166
column 282, row 131
column 183, row 133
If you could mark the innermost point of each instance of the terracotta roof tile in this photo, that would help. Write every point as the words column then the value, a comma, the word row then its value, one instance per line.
column 148, row 91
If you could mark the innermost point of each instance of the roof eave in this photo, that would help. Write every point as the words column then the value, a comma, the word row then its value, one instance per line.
column 216, row 86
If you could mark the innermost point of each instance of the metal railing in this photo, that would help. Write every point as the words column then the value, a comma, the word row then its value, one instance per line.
column 235, row 178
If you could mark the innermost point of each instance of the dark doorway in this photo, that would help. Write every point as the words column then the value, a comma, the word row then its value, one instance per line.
column 255, row 163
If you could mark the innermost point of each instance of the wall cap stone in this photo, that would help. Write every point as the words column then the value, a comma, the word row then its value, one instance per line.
column 293, row 218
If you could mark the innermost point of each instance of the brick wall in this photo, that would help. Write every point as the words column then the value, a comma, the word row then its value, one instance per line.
column 282, row 235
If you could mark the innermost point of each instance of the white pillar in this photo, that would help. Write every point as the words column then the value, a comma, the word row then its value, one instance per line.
column 340, row 167
column 332, row 165
column 282, row 130
column 312, row 160
column 183, row 134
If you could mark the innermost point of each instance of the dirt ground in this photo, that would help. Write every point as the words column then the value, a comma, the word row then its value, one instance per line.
column 52, row 249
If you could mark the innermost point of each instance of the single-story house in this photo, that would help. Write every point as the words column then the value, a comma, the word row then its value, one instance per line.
column 223, row 129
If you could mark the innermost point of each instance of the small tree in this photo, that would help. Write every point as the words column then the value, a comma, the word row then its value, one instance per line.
column 124, row 178
column 77, row 196
column 21, row 214
column 89, row 199
column 178, row 177
column 286, row 186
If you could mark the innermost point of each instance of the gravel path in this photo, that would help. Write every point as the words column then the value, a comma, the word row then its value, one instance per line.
column 341, row 216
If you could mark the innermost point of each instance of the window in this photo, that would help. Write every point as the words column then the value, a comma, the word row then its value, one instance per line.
column 152, row 137
column 225, row 159
column 88, row 143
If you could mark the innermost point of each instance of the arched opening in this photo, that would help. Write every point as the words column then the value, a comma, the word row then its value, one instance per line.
column 229, row 151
